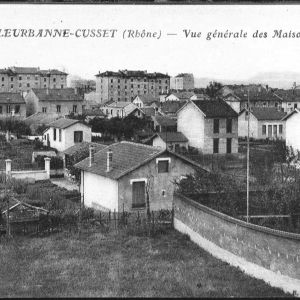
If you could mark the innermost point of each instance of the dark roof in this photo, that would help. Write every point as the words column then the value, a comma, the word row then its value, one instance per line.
column 149, row 111
column 130, row 73
column 171, row 107
column 11, row 98
column 172, row 137
column 83, row 147
column 183, row 95
column 185, row 75
column 40, row 118
column 52, row 72
column 94, row 112
column 127, row 157
column 31, row 70
column 267, row 113
column 63, row 123
column 147, row 99
column 291, row 95
column 67, row 94
column 165, row 121
column 216, row 109
column 25, row 70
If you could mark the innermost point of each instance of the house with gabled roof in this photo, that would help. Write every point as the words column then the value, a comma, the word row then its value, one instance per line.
column 122, row 110
column 264, row 123
column 59, row 101
column 179, row 96
column 64, row 133
column 12, row 105
column 292, row 125
column 211, row 126
column 146, row 100
column 119, row 176
column 168, row 140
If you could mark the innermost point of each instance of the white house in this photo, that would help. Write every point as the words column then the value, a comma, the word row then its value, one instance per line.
column 169, row 140
column 64, row 133
column 146, row 100
column 211, row 126
column 180, row 96
column 265, row 122
column 119, row 176
column 122, row 110
column 292, row 125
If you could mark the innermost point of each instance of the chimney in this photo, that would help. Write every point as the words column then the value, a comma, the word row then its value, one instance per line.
column 92, row 150
column 109, row 160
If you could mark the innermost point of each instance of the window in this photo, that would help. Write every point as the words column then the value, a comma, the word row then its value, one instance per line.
column 44, row 109
column 59, row 135
column 28, row 77
column 11, row 79
column 2, row 78
column 118, row 80
column 78, row 136
column 295, row 105
column 54, row 134
column 138, row 194
column 58, row 108
column 20, row 77
column 216, row 125
column 54, row 79
column 11, row 86
column 28, row 84
column 45, row 79
column 118, row 87
column 111, row 81
column 163, row 165
column 74, row 108
column 17, row 109
column 264, row 130
column 45, row 85
column 228, row 145
column 229, row 125
column 216, row 146
column 62, row 86
column 280, row 129
column 269, row 130
column 1, row 110
column 275, row 130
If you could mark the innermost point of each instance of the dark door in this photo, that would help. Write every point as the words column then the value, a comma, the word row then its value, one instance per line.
column 138, row 194
column 228, row 146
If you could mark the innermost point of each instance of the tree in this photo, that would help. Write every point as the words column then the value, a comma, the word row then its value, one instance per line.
column 212, row 89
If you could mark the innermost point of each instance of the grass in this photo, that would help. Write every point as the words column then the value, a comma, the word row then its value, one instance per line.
column 120, row 265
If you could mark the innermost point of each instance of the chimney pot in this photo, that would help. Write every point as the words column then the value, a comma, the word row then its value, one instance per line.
column 92, row 153
column 109, row 160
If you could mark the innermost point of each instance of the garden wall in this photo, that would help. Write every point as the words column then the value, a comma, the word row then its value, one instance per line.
column 32, row 174
column 264, row 253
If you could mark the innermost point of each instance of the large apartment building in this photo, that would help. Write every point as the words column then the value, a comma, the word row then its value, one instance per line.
column 183, row 81
column 124, row 85
column 19, row 79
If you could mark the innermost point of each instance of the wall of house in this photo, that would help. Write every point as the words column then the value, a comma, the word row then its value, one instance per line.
column 222, row 135
column 243, row 126
column 190, row 121
column 99, row 192
column 292, row 131
column 290, row 106
column 159, row 142
column 4, row 83
column 65, row 106
column 159, row 183
column 279, row 136
column 264, row 253
column 20, row 115
column 67, row 136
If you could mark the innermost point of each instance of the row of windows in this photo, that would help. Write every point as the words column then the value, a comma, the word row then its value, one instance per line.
column 28, row 78
column 272, row 129
column 131, row 80
column 216, row 128
column 58, row 109
column 216, row 145
column 28, row 85
column 9, row 109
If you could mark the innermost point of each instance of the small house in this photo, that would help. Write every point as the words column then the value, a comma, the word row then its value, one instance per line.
column 174, row 141
column 264, row 123
column 122, row 110
column 292, row 125
column 211, row 126
column 121, row 175
column 12, row 105
column 146, row 100
column 64, row 133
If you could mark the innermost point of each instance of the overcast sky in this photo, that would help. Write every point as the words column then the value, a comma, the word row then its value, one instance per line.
column 223, row 58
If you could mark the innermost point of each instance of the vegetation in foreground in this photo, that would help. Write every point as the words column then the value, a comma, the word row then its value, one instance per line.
column 120, row 265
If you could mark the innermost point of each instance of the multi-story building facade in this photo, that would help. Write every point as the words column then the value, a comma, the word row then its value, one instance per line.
column 183, row 81
column 19, row 79
column 124, row 85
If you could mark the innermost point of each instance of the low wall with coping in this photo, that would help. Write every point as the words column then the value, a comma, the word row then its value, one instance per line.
column 32, row 174
column 264, row 253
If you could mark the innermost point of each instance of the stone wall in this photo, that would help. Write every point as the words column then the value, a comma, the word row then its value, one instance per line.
column 264, row 253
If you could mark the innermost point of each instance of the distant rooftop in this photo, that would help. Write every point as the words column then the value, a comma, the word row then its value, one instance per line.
column 267, row 113
column 67, row 94
column 15, row 98
column 131, row 73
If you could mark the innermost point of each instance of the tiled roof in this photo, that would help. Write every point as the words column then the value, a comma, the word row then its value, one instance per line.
column 184, row 75
column 11, row 98
column 25, row 70
column 131, row 73
column 267, row 113
column 148, row 111
column 126, row 157
column 173, row 137
column 165, row 121
column 67, row 94
column 41, row 118
column 216, row 109
column 63, row 123
column 52, row 72
column 147, row 99
column 183, row 95
column 171, row 107
column 291, row 95
column 83, row 147
column 94, row 112
column 120, row 104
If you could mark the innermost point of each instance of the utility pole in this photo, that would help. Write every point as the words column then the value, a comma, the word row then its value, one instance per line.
column 248, row 156
column 7, row 209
